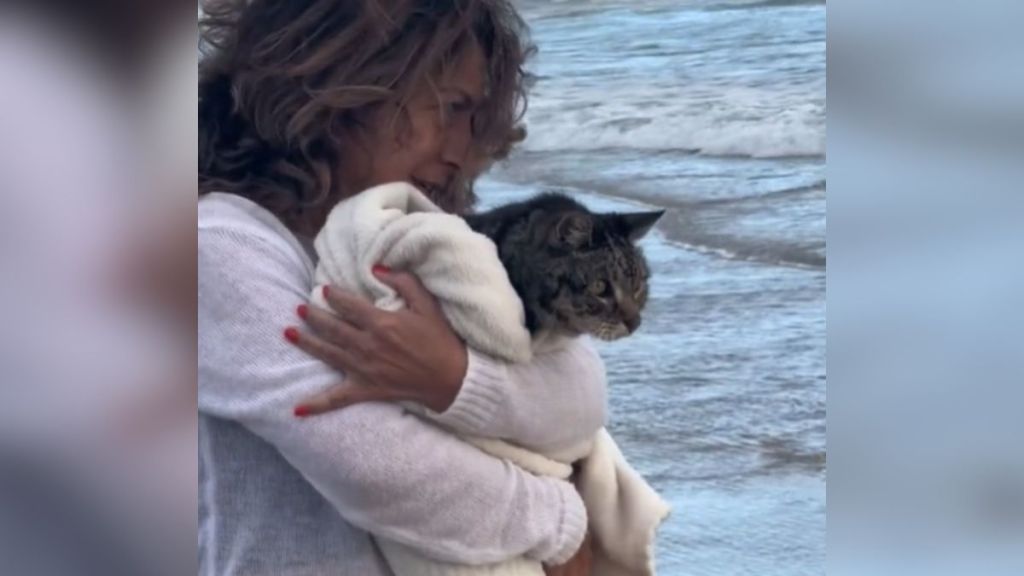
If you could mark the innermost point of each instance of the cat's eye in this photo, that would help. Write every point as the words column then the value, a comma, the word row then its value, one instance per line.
column 597, row 287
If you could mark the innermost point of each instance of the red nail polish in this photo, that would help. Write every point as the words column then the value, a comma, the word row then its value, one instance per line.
column 302, row 311
column 379, row 269
column 301, row 411
column 325, row 291
column 291, row 334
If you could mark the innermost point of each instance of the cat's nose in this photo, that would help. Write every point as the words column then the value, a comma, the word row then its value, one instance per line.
column 632, row 323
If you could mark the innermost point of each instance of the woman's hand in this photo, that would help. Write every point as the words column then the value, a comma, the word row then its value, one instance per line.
column 581, row 562
column 578, row 565
column 412, row 354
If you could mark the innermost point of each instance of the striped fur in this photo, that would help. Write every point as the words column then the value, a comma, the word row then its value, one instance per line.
column 576, row 271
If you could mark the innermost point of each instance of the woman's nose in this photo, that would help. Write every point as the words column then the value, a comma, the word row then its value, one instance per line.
column 457, row 141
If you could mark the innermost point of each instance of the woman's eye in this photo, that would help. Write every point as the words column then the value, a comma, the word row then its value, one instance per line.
column 457, row 106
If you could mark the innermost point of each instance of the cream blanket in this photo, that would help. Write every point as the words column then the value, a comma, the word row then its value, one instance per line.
column 397, row 226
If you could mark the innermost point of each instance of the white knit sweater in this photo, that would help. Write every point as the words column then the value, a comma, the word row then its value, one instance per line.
column 279, row 495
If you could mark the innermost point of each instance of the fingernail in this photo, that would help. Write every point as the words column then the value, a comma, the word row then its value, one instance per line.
column 302, row 311
column 325, row 291
column 379, row 269
column 291, row 334
column 302, row 411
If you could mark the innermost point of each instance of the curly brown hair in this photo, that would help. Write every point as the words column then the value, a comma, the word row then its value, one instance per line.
column 284, row 83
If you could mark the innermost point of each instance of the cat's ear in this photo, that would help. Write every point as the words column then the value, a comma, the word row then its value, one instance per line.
column 637, row 224
column 572, row 230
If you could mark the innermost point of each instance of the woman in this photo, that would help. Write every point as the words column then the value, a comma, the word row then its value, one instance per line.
column 303, row 103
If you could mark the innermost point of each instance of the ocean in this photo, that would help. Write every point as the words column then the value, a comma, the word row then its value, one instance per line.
column 715, row 111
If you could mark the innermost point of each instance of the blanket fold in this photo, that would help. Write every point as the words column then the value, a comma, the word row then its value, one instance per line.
column 397, row 226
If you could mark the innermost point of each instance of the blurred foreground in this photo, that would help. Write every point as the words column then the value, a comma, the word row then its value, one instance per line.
column 97, row 251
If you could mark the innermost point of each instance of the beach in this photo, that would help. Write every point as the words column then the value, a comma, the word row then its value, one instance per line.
column 714, row 111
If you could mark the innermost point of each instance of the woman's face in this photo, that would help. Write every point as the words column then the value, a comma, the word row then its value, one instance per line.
column 436, row 152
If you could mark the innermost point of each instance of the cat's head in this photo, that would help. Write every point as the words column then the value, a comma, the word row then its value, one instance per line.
column 596, row 274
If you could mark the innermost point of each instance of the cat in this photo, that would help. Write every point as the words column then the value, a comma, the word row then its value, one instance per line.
column 576, row 271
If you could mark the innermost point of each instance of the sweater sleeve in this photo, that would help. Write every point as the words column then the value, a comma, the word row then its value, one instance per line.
column 555, row 401
column 389, row 473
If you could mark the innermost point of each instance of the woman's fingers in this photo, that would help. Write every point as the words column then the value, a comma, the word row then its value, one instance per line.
column 341, row 396
column 330, row 327
column 357, row 311
column 334, row 356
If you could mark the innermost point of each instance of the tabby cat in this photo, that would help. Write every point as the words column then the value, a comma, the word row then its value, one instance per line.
column 576, row 271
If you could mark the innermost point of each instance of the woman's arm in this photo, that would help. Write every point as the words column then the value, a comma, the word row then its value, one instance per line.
column 554, row 403
column 391, row 474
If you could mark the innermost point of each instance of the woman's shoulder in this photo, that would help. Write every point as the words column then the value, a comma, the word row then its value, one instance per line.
column 223, row 211
column 246, row 229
